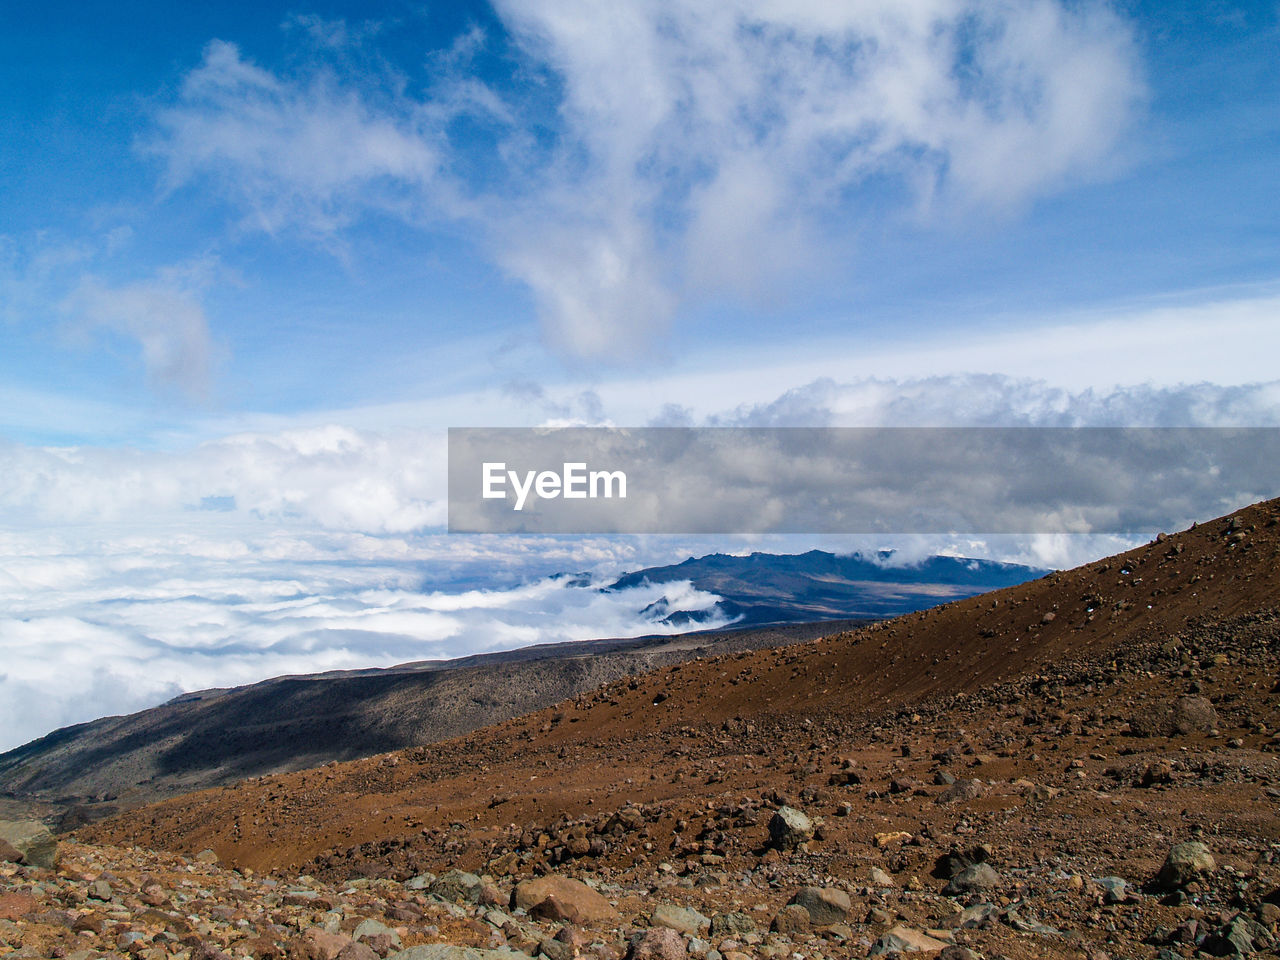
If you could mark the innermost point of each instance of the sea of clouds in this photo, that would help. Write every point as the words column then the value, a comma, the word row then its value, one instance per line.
column 128, row 576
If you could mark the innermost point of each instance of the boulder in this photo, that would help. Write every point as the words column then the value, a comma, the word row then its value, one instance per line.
column 658, row 943
column 457, row 886
column 680, row 919
column 732, row 924
column 791, row 921
column 320, row 944
column 1186, row 715
column 961, row 791
column 825, row 905
column 789, row 828
column 572, row 896
column 1185, row 862
column 31, row 840
column 905, row 940
column 978, row 876
column 370, row 928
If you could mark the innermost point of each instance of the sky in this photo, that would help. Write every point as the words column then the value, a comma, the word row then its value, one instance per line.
column 255, row 259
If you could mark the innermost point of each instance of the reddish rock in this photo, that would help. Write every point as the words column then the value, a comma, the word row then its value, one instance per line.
column 660, row 943
column 15, row 906
column 322, row 945
column 575, row 900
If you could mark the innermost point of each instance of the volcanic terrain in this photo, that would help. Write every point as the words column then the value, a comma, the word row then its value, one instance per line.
column 1085, row 765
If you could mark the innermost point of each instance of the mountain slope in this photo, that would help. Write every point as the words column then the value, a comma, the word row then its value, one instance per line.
column 688, row 735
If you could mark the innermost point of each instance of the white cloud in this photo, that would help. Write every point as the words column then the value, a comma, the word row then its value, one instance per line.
column 327, row 476
column 696, row 150
column 96, row 623
column 296, row 154
column 165, row 319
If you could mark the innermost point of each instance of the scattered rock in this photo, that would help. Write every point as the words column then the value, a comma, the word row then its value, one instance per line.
column 1185, row 862
column 447, row 951
column 790, row 829
column 575, row 897
column 825, row 905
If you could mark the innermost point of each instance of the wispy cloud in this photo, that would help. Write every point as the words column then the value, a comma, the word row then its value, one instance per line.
column 51, row 284
column 667, row 154
column 306, row 153
column 166, row 320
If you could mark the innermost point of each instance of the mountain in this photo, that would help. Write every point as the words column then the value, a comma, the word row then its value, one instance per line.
column 1085, row 765
column 213, row 737
column 771, row 588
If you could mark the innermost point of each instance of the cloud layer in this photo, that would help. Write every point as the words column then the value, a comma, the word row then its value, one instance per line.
column 97, row 622
column 640, row 157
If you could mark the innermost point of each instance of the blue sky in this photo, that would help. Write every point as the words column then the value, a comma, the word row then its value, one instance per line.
column 259, row 256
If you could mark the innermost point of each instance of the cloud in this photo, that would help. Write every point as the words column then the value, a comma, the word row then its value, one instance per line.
column 330, row 477
column 640, row 158
column 309, row 153
column 168, row 611
column 993, row 400
column 164, row 317
column 47, row 282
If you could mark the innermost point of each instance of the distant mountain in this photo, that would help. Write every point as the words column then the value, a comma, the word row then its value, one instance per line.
column 797, row 588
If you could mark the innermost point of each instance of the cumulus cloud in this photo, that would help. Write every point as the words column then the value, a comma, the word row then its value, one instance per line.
column 664, row 154
column 330, row 476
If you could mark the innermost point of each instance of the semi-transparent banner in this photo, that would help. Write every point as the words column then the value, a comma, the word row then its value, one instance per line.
column 854, row 480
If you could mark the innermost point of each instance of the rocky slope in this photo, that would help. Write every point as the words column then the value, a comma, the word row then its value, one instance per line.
column 1083, row 766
